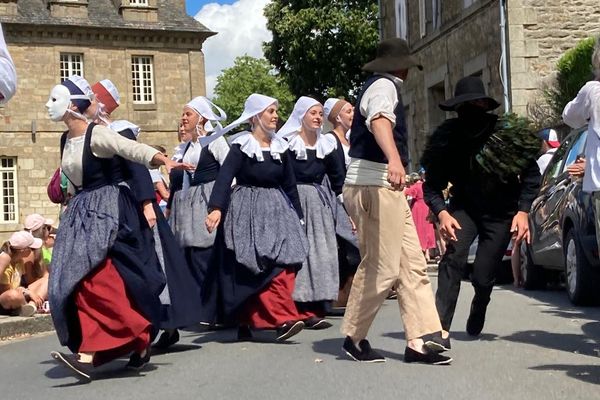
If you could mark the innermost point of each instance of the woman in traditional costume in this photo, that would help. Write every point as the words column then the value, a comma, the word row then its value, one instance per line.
column 261, row 240
column 314, row 157
column 106, row 278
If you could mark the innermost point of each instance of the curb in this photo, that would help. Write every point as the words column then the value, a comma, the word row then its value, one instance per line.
column 16, row 326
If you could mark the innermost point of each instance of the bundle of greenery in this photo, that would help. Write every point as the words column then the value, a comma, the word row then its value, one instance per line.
column 510, row 149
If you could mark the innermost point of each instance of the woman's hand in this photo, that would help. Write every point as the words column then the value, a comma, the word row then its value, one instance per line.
column 149, row 213
column 212, row 220
column 171, row 165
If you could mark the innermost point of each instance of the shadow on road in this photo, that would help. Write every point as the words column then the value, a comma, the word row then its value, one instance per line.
column 583, row 344
column 334, row 347
column 585, row 373
column 110, row 371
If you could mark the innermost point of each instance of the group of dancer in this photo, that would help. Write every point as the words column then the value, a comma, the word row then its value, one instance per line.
column 253, row 237
column 267, row 229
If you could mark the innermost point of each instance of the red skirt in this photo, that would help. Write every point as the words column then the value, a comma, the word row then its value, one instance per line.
column 111, row 326
column 274, row 305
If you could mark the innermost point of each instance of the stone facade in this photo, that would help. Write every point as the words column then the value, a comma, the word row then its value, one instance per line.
column 457, row 38
column 174, row 42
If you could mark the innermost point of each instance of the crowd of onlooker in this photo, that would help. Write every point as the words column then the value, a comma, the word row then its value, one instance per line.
column 24, row 268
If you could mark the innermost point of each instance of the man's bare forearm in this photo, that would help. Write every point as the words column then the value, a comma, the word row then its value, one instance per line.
column 382, row 131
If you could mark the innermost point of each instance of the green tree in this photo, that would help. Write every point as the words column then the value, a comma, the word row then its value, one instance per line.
column 319, row 46
column 574, row 70
column 250, row 75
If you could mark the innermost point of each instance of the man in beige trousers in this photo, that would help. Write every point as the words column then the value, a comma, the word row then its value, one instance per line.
column 389, row 246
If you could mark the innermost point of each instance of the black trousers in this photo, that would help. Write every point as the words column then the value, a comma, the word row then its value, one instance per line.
column 494, row 237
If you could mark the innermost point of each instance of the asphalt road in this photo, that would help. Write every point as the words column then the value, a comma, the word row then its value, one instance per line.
column 534, row 346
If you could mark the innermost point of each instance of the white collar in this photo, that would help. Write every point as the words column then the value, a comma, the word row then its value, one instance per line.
column 324, row 146
column 250, row 146
column 397, row 81
column 552, row 150
column 122, row 124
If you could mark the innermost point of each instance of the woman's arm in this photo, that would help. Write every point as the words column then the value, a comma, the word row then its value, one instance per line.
column 289, row 184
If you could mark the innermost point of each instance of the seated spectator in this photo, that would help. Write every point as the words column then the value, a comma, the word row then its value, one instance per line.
column 41, row 228
column 19, row 293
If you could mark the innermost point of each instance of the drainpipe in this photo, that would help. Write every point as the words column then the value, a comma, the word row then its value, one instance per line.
column 504, row 57
column 379, row 23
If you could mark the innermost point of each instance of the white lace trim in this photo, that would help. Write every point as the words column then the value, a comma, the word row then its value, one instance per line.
column 325, row 145
column 250, row 146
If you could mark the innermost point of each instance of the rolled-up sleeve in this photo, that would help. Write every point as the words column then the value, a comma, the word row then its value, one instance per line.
column 106, row 143
column 379, row 100
column 8, row 73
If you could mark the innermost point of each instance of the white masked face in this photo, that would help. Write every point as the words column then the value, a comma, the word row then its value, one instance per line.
column 58, row 103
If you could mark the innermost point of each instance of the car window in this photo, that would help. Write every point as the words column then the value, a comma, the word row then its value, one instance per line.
column 576, row 150
column 555, row 166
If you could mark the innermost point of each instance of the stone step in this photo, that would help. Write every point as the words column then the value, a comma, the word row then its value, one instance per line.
column 17, row 326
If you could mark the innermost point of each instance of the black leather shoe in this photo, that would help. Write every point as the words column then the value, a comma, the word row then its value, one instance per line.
column 429, row 357
column 138, row 362
column 316, row 323
column 244, row 333
column 437, row 343
column 289, row 329
column 167, row 339
column 81, row 369
column 364, row 354
column 476, row 318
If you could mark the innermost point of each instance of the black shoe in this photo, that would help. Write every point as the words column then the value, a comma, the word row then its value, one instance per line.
column 429, row 357
column 336, row 312
column 137, row 362
column 316, row 323
column 167, row 339
column 244, row 333
column 289, row 329
column 83, row 370
column 476, row 319
column 437, row 343
column 364, row 354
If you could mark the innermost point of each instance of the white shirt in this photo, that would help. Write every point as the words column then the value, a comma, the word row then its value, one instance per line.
column 544, row 159
column 8, row 73
column 585, row 109
column 105, row 143
column 380, row 99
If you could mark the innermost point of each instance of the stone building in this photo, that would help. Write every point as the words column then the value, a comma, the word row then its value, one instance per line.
column 457, row 38
column 150, row 49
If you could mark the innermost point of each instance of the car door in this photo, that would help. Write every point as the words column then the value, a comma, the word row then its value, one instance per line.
column 546, row 239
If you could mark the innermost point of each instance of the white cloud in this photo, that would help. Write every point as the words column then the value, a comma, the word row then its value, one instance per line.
column 241, row 29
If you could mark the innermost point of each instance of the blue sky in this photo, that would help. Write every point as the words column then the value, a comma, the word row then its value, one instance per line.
column 193, row 6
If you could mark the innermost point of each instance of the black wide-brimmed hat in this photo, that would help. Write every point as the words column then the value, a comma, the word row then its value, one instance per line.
column 392, row 55
column 468, row 89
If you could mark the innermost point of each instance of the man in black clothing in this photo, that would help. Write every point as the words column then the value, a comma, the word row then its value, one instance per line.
column 480, row 204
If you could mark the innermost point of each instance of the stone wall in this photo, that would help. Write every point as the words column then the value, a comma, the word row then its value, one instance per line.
column 467, row 43
column 540, row 31
column 178, row 76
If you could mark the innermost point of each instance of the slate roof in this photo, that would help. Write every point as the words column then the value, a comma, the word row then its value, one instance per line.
column 104, row 14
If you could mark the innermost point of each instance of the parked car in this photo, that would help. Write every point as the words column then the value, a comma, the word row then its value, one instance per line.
column 504, row 271
column 563, row 231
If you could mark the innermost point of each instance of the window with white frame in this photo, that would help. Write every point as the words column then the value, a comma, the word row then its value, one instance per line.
column 142, row 75
column 70, row 64
column 8, row 189
column 401, row 19
column 430, row 16
column 436, row 11
column 140, row 3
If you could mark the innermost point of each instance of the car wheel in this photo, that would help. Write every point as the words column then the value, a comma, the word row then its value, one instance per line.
column 534, row 276
column 580, row 281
